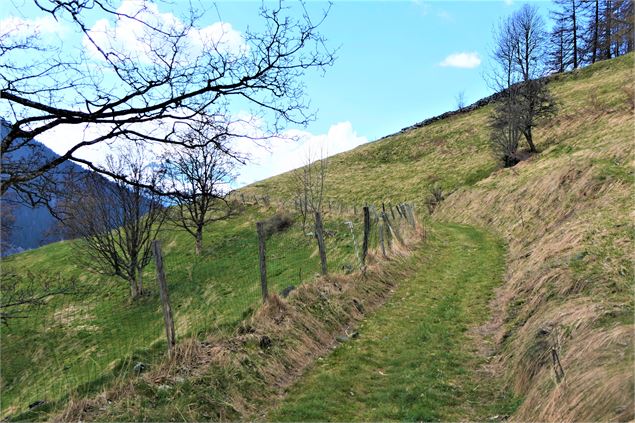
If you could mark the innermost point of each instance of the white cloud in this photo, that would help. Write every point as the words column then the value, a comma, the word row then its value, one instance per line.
column 20, row 27
column 266, row 159
column 290, row 153
column 63, row 137
column 508, row 2
column 462, row 60
column 133, row 38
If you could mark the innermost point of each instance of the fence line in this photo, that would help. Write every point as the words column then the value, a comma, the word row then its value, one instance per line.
column 210, row 293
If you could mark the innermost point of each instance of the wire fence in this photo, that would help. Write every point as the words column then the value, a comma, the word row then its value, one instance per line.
column 75, row 346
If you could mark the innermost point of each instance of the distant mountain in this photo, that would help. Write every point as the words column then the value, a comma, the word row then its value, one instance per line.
column 33, row 226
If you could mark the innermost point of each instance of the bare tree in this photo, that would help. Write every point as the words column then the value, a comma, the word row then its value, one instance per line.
column 593, row 30
column 505, row 129
column 520, row 66
column 568, row 17
column 116, row 222
column 559, row 50
column 309, row 185
column 200, row 178
column 172, row 73
column 460, row 100
column 528, row 31
column 624, row 22
column 609, row 31
column 503, row 75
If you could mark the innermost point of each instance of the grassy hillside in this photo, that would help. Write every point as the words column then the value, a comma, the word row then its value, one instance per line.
column 568, row 218
column 567, row 215
column 78, row 344
column 454, row 152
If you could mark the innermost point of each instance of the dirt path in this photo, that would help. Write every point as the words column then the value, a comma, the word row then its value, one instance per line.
column 415, row 359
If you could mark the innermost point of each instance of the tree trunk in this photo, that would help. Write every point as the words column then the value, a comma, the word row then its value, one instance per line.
column 199, row 240
column 133, row 289
column 139, row 281
column 562, row 52
column 575, row 36
column 607, row 29
column 530, row 140
column 595, row 31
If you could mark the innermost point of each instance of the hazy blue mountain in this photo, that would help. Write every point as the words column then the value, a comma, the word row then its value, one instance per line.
column 33, row 226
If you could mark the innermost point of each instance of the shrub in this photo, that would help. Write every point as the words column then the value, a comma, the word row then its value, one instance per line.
column 277, row 223
column 436, row 196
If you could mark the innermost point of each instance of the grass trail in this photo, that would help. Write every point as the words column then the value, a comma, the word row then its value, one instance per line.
column 415, row 359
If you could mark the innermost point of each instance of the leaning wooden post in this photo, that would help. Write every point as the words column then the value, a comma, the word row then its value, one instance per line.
column 380, row 229
column 366, row 235
column 260, row 228
column 394, row 231
column 411, row 216
column 165, row 298
column 319, row 235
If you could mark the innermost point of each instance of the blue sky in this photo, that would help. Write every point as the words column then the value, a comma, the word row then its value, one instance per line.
column 398, row 63
column 388, row 73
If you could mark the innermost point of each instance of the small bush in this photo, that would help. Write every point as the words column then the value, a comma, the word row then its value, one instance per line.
column 436, row 196
column 277, row 223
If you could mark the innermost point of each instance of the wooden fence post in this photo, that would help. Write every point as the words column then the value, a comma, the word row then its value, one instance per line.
column 319, row 235
column 366, row 234
column 380, row 229
column 356, row 248
column 394, row 231
column 165, row 298
column 374, row 211
column 260, row 228
column 392, row 211
column 411, row 215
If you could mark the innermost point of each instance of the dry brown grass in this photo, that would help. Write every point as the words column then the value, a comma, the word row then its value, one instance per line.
column 558, row 212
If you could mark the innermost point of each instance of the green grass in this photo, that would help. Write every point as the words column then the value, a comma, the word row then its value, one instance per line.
column 79, row 344
column 88, row 342
column 454, row 152
column 415, row 359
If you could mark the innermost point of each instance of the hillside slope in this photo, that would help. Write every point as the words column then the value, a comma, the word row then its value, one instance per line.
column 567, row 215
column 568, row 218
